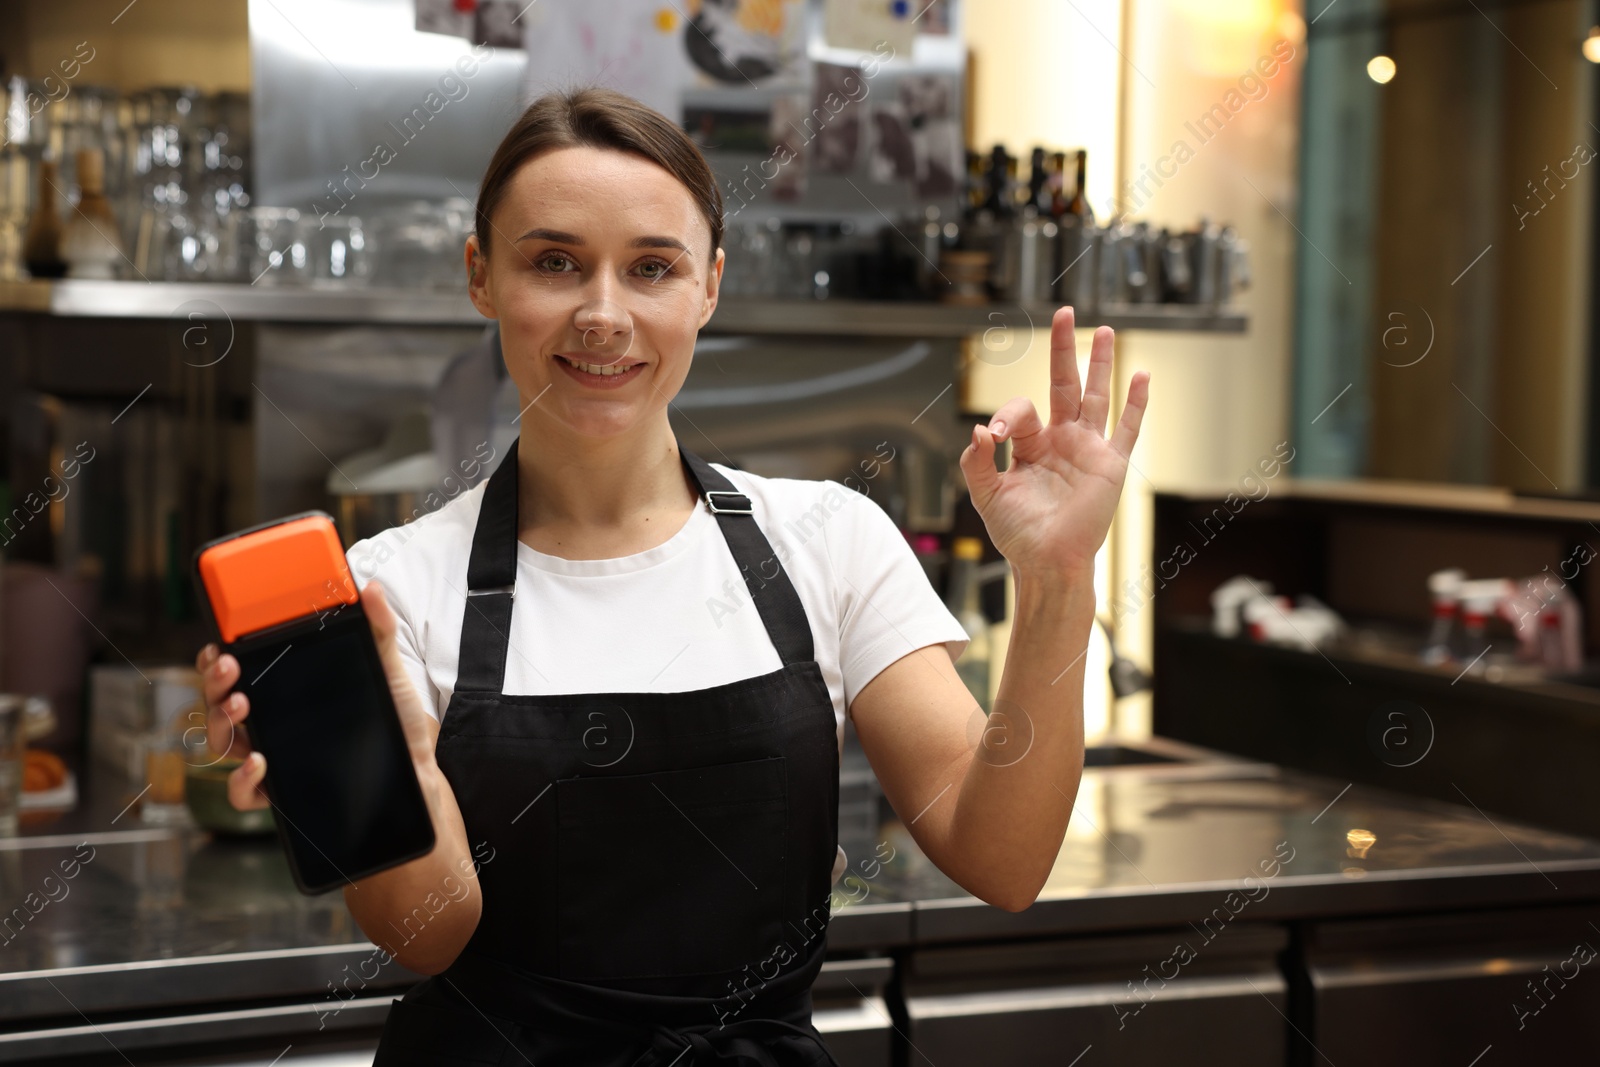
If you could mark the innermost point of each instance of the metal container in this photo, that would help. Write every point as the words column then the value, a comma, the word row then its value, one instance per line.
column 1121, row 266
column 1078, row 243
column 1027, row 263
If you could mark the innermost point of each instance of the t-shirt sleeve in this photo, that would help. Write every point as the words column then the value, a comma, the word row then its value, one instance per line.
column 887, row 606
column 405, row 637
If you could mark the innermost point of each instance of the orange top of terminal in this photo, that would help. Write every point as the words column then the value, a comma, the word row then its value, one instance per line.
column 272, row 576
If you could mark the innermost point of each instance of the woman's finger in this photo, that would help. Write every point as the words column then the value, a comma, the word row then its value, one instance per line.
column 1015, row 420
column 244, row 783
column 1066, row 399
column 1126, row 434
column 1097, row 393
column 977, row 464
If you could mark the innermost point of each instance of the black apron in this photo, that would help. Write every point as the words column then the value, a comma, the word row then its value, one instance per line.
column 658, row 887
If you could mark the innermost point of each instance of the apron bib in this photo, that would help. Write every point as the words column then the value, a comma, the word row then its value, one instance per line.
column 662, row 862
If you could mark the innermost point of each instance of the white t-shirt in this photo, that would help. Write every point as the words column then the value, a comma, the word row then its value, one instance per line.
column 676, row 617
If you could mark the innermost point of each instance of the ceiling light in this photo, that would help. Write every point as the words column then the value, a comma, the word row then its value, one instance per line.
column 1381, row 69
column 1591, row 46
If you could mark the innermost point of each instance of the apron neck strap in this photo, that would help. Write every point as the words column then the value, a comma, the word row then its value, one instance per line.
column 492, row 573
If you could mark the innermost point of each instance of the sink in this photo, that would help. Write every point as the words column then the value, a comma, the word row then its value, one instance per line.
column 1115, row 755
column 1166, row 758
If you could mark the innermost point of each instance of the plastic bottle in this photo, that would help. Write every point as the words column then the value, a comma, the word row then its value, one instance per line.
column 1444, row 588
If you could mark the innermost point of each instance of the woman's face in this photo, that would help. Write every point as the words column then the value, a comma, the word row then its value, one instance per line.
column 596, row 257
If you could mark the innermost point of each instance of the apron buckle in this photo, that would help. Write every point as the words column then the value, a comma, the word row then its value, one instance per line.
column 711, row 502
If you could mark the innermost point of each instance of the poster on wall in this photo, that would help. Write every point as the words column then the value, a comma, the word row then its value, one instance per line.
column 789, row 157
column 655, row 50
column 834, row 122
column 914, row 137
column 867, row 24
column 493, row 22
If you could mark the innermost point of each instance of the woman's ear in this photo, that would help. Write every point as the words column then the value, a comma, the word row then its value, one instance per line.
column 478, row 278
column 713, row 287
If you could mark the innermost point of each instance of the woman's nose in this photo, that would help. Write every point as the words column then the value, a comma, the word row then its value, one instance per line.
column 606, row 327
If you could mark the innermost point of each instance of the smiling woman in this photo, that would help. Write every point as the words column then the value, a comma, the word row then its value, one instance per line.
column 598, row 248
column 691, row 759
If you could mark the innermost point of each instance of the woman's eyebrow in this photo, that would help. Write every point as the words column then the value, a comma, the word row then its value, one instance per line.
column 563, row 237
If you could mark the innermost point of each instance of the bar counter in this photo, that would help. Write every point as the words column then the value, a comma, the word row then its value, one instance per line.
column 210, row 937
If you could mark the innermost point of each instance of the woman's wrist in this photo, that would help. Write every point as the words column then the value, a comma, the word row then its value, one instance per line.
column 1064, row 588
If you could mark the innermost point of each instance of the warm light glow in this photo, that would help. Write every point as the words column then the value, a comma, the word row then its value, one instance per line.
column 1591, row 46
column 1224, row 38
column 1292, row 27
column 1360, row 841
column 1381, row 69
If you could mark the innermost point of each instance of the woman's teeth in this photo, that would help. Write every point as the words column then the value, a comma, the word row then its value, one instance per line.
column 615, row 368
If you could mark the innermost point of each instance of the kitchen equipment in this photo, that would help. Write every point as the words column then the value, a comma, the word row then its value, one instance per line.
column 338, row 250
column 968, row 272
column 1121, row 264
column 398, row 481
column 41, row 245
column 1144, row 264
column 1233, row 265
column 1219, row 264
column 14, row 203
column 1078, row 259
column 935, row 235
column 1177, row 273
column 277, row 255
column 91, row 243
column 1029, row 247
column 422, row 242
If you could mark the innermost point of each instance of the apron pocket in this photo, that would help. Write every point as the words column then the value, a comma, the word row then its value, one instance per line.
column 439, row 1035
column 673, row 873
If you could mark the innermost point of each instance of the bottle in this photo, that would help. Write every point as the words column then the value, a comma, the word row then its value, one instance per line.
column 1444, row 589
column 1079, row 204
column 973, row 666
column 977, row 184
column 89, row 242
column 999, row 190
column 1039, row 183
column 1057, row 185
column 41, row 247
column 1478, row 601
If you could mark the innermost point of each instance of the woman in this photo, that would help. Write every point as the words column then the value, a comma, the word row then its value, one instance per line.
column 633, row 776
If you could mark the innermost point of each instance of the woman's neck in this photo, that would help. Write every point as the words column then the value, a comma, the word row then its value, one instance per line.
column 600, row 498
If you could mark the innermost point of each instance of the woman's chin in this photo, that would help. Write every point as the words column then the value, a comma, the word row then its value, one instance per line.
column 597, row 426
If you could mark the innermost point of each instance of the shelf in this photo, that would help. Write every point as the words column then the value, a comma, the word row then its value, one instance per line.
column 237, row 301
column 1387, row 651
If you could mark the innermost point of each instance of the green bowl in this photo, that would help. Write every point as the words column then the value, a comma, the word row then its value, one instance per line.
column 205, row 792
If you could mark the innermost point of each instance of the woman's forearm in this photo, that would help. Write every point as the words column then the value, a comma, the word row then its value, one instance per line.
column 1020, row 786
column 423, row 912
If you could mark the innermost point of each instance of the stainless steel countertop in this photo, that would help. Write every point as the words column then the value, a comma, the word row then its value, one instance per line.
column 158, row 919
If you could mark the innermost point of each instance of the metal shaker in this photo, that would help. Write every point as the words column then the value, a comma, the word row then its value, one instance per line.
column 1028, row 265
column 1078, row 261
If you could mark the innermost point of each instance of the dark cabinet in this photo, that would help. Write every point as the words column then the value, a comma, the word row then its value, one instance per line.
column 1162, row 997
column 1514, row 987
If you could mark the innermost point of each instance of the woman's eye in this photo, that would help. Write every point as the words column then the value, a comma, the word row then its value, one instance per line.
column 556, row 258
column 665, row 268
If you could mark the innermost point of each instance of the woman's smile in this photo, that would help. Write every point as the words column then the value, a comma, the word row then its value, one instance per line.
column 595, row 376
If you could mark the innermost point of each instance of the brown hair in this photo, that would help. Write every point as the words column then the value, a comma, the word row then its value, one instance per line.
column 598, row 117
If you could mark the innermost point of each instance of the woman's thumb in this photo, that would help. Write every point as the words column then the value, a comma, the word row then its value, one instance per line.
column 380, row 616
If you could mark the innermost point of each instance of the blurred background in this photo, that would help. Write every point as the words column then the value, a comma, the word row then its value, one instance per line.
column 1346, row 606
